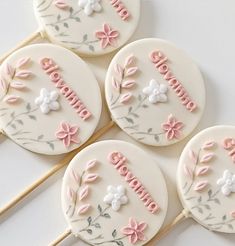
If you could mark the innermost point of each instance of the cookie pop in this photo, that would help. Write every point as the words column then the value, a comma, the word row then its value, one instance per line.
column 110, row 197
column 160, row 123
column 87, row 27
column 206, row 180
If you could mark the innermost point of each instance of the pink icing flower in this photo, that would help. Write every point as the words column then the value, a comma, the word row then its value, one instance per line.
column 68, row 134
column 172, row 128
column 134, row 231
column 107, row 36
column 61, row 4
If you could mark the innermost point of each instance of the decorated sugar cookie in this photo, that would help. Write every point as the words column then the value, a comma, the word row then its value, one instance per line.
column 155, row 92
column 45, row 99
column 206, row 178
column 110, row 198
column 89, row 27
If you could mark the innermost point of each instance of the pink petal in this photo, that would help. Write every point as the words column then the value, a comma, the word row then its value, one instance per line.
column 166, row 127
column 22, row 62
column 91, row 164
column 67, row 141
column 114, row 34
column 178, row 125
column 206, row 158
column 126, row 98
column 133, row 223
column 17, row 85
column 83, row 209
column 9, row 70
column 112, row 41
column 23, row 74
column 170, row 134
column 127, row 231
column 75, row 176
column 141, row 236
column 200, row 186
column 73, row 130
column 61, row 4
column 209, row 145
column 133, row 238
column 128, row 84
column 131, row 71
column 193, row 156
column 74, row 139
column 203, row 170
column 71, row 194
column 142, row 226
column 104, row 43
column 129, row 60
column 119, row 70
column 115, row 84
column 3, row 84
column 107, row 28
column 177, row 134
column 233, row 214
column 11, row 99
column 100, row 35
column 61, row 135
column 83, row 193
column 91, row 178
column 188, row 171
column 65, row 126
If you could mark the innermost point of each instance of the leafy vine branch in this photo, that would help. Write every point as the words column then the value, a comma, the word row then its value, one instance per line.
column 73, row 15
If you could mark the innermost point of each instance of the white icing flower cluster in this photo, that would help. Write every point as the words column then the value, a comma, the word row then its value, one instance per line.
column 47, row 101
column 116, row 197
column 227, row 183
column 90, row 6
column 156, row 92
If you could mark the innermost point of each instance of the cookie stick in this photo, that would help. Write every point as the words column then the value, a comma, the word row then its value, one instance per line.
column 133, row 88
column 31, row 38
column 64, row 162
column 207, row 167
column 30, row 99
column 93, row 207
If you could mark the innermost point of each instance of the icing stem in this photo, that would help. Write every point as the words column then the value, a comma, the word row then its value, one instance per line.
column 18, row 115
column 194, row 169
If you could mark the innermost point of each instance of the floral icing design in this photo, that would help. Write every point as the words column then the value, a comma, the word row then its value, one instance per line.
column 172, row 128
column 68, row 134
column 135, row 231
column 116, row 197
column 90, row 6
column 156, row 92
column 107, row 36
column 229, row 144
column 196, row 170
column 48, row 101
column 80, row 190
column 227, row 183
column 123, row 81
column 12, row 78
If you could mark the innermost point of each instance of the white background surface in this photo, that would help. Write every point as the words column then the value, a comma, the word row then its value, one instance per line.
column 205, row 29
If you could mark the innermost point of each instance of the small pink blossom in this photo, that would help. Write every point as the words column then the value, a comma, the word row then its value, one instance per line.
column 172, row 128
column 68, row 134
column 107, row 36
column 134, row 231
column 61, row 4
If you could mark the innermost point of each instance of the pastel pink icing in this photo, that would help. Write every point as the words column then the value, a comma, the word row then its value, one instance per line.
column 134, row 231
column 159, row 60
column 68, row 134
column 172, row 128
column 121, row 9
column 108, row 36
column 119, row 162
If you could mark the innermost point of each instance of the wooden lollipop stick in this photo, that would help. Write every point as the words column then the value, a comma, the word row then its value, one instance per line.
column 61, row 238
column 55, row 169
column 162, row 233
column 23, row 43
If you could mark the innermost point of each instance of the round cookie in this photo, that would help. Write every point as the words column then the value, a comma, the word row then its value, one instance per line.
column 45, row 99
column 110, row 198
column 88, row 27
column 206, row 178
column 155, row 92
